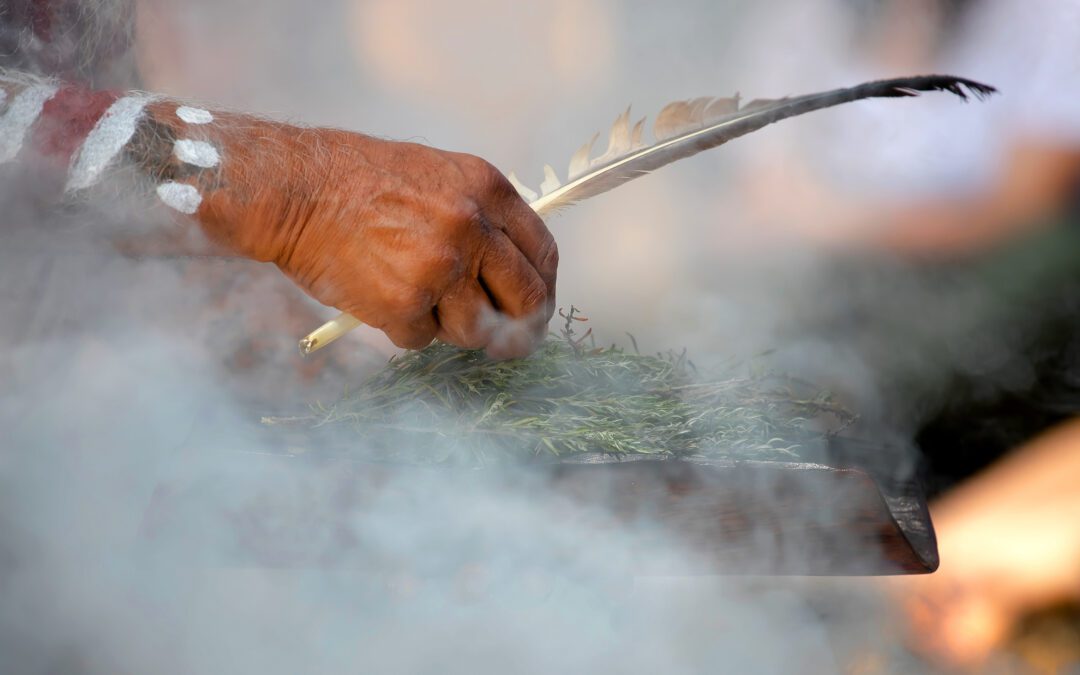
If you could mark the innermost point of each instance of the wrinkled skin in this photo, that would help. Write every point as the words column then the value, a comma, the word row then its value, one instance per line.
column 416, row 241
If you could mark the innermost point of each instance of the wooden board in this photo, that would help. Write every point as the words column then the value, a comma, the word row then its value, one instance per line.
column 748, row 517
column 739, row 517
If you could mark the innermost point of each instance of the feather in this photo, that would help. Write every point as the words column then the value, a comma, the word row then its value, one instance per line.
column 551, row 181
column 526, row 194
column 685, row 128
column 618, row 140
column 637, row 136
column 682, row 129
column 722, row 106
column 579, row 163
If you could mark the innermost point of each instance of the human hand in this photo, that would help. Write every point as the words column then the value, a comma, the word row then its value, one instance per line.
column 1009, row 545
column 418, row 242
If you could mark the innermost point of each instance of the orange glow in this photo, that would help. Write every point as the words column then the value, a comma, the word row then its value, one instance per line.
column 433, row 51
column 1010, row 544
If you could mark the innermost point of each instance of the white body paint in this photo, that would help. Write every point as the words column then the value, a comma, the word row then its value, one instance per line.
column 197, row 153
column 194, row 115
column 111, row 133
column 24, row 110
column 180, row 196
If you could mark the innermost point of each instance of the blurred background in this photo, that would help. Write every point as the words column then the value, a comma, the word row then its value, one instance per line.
column 920, row 257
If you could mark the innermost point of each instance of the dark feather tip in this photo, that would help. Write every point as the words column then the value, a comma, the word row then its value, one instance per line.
column 963, row 87
column 958, row 86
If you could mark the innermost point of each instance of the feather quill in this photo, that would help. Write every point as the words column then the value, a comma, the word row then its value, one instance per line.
column 685, row 128
column 682, row 129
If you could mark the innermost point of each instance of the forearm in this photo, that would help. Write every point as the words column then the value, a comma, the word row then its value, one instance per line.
column 207, row 167
column 417, row 241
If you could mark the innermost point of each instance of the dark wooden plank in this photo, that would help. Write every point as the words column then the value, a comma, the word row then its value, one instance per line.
column 748, row 517
column 738, row 517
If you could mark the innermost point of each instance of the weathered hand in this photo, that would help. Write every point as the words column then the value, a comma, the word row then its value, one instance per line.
column 418, row 242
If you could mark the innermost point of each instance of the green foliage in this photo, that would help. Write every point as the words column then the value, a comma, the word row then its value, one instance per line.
column 448, row 404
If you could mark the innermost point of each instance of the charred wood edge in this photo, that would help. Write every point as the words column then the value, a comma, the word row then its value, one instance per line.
column 902, row 500
column 904, row 496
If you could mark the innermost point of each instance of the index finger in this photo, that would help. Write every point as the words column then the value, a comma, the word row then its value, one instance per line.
column 529, row 234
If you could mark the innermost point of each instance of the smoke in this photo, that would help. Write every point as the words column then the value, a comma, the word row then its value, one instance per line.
column 86, row 40
column 145, row 526
column 146, row 530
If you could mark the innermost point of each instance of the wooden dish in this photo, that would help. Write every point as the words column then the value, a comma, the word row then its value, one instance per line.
column 841, row 517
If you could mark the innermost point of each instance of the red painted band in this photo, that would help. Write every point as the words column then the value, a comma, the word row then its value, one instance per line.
column 66, row 120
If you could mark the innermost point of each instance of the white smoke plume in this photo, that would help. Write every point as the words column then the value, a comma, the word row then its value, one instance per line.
column 126, row 382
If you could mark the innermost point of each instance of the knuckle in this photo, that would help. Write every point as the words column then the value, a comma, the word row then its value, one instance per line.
column 501, row 188
column 466, row 224
column 534, row 296
column 548, row 260
column 488, row 178
column 483, row 169
column 468, row 327
column 462, row 211
column 493, row 257
column 460, row 214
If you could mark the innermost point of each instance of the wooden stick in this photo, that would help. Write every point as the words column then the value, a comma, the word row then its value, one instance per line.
column 328, row 332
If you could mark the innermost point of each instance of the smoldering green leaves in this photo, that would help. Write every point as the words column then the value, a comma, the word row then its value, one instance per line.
column 448, row 404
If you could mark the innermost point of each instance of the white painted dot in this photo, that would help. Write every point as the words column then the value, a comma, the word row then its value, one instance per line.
column 199, row 153
column 180, row 196
column 194, row 115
